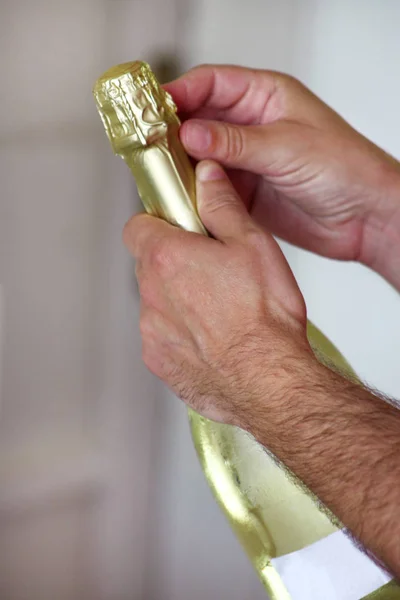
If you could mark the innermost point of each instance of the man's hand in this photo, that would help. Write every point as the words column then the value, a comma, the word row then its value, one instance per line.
column 223, row 322
column 218, row 315
column 224, row 325
column 306, row 175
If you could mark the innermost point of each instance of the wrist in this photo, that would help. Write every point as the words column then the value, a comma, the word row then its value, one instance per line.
column 381, row 251
column 279, row 382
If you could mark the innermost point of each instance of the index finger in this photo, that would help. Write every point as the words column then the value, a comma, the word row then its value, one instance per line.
column 238, row 94
column 142, row 232
column 152, row 240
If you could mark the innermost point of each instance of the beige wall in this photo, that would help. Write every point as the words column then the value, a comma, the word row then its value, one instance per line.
column 77, row 403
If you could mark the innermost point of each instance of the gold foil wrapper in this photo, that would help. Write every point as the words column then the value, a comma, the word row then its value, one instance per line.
column 142, row 125
column 270, row 512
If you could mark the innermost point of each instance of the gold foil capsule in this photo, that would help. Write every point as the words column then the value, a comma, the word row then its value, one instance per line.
column 141, row 122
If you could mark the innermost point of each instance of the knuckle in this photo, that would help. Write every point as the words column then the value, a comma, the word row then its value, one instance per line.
column 148, row 292
column 197, row 71
column 160, row 259
column 290, row 83
column 201, row 67
column 127, row 233
column 289, row 79
column 221, row 199
column 233, row 144
column 132, row 233
column 255, row 238
column 146, row 327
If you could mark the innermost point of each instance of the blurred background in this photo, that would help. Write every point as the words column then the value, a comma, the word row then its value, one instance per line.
column 101, row 495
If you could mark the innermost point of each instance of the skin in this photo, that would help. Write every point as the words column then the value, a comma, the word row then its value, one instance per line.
column 223, row 321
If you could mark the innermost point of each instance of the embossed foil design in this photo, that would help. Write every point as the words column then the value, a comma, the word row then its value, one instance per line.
column 142, row 125
column 135, row 110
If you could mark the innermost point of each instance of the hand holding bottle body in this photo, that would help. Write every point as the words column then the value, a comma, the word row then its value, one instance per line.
column 211, row 309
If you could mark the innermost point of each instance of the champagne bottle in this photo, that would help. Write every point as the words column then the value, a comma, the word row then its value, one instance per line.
column 282, row 527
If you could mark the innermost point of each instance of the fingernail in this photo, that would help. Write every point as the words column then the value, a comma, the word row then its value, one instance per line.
column 197, row 137
column 209, row 171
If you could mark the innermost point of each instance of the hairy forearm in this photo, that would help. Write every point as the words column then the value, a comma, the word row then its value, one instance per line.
column 343, row 442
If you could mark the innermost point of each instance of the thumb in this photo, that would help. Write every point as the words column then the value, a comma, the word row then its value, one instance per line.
column 222, row 211
column 233, row 146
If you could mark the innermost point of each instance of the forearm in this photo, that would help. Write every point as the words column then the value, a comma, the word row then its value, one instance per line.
column 343, row 443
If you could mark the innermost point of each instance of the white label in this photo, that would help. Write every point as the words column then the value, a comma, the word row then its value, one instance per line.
column 333, row 569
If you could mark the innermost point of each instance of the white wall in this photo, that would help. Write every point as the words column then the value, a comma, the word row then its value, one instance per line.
column 348, row 52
